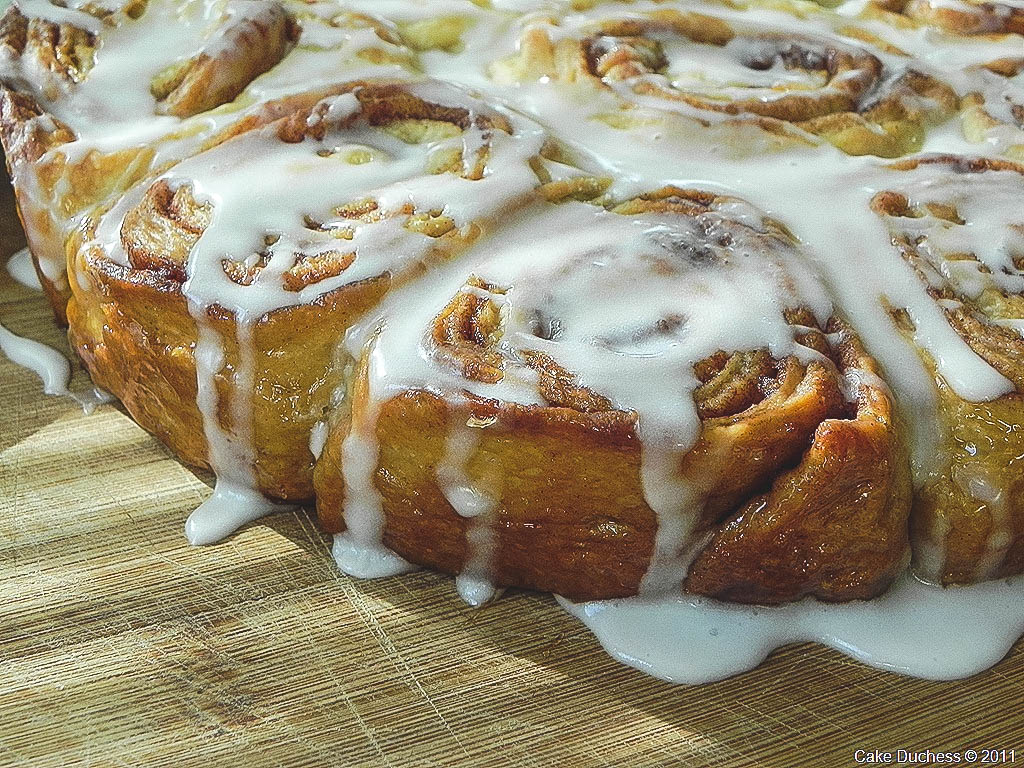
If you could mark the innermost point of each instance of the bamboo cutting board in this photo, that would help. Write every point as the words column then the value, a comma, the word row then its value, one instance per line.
column 120, row 645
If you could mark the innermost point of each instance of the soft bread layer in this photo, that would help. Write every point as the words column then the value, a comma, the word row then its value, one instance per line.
column 573, row 518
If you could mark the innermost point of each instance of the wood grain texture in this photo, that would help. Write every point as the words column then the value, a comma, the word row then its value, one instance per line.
column 120, row 645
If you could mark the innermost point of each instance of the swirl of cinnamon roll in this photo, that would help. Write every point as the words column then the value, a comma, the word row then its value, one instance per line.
column 993, row 112
column 63, row 52
column 961, row 17
column 243, row 266
column 55, row 49
column 788, row 84
column 655, row 391
column 78, row 135
column 958, row 222
column 251, row 43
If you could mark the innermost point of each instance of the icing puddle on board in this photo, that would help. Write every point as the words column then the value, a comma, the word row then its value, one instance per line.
column 52, row 367
column 915, row 629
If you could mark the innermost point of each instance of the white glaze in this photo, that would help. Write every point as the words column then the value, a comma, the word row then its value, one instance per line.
column 473, row 501
column 228, row 508
column 20, row 268
column 47, row 363
column 914, row 629
column 91, row 399
column 360, row 551
column 317, row 438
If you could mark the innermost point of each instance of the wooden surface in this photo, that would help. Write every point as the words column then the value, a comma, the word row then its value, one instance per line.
column 120, row 645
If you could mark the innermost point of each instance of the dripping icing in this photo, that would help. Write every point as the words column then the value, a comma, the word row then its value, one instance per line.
column 472, row 501
column 47, row 363
column 20, row 268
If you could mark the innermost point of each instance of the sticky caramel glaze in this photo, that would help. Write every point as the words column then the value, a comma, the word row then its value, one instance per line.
column 133, row 331
column 572, row 515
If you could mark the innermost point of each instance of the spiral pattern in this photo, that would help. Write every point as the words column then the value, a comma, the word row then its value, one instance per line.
column 821, row 86
column 492, row 333
column 320, row 251
column 962, row 17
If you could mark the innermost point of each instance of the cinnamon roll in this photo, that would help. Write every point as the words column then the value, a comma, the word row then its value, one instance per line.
column 959, row 223
column 993, row 112
column 83, row 122
column 59, row 177
column 794, row 87
column 604, row 424
column 599, row 298
column 961, row 17
column 201, row 331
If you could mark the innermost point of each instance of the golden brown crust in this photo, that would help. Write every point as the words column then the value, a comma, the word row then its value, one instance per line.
column 248, row 48
column 973, row 510
column 572, row 516
column 968, row 518
column 570, row 512
column 835, row 526
column 133, row 331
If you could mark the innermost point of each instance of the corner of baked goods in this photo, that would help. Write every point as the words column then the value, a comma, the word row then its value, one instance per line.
column 247, row 47
column 563, row 480
column 967, row 523
column 572, row 515
column 834, row 526
column 28, row 133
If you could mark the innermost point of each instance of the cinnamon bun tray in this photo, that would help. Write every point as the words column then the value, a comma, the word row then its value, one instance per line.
column 122, row 645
